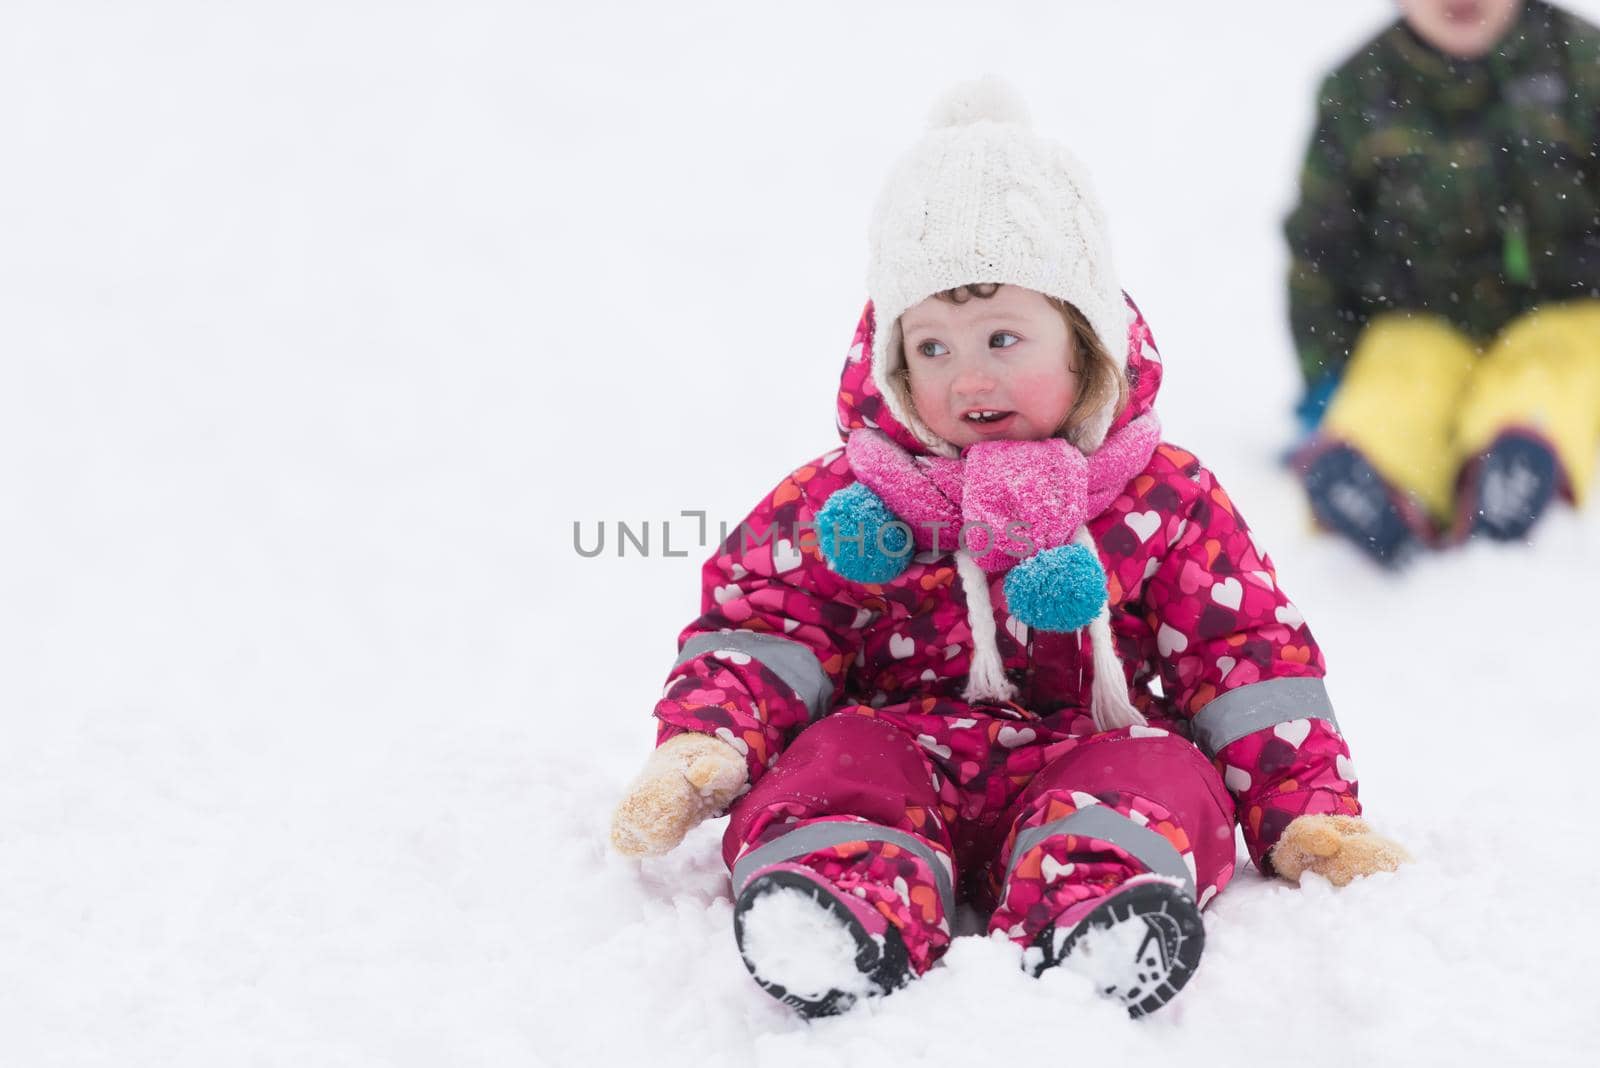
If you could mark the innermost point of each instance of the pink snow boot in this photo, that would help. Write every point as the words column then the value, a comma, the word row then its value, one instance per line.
column 1139, row 944
column 813, row 948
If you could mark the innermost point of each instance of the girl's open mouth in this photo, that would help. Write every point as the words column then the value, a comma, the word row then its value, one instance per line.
column 986, row 422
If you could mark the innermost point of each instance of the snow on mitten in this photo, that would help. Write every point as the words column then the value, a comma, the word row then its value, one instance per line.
column 689, row 778
column 1339, row 848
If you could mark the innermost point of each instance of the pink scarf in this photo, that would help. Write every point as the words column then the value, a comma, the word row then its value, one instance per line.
column 1047, row 485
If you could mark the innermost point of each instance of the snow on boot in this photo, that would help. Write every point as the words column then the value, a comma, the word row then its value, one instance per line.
column 1509, row 487
column 814, row 949
column 1140, row 944
column 1348, row 495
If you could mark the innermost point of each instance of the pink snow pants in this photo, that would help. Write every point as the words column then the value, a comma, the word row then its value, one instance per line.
column 916, row 807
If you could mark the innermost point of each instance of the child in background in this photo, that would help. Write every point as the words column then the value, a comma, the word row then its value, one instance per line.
column 1446, row 264
column 1030, row 658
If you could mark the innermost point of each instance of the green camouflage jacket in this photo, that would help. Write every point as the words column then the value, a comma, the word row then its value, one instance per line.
column 1466, row 188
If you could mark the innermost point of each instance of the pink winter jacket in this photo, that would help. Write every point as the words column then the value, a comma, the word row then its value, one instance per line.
column 1214, row 649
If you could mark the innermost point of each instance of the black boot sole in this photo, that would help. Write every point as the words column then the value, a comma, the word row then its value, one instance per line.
column 885, row 964
column 1513, row 457
column 1168, row 956
column 1339, row 479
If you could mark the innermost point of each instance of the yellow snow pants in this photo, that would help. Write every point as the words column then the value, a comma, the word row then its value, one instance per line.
column 1419, row 399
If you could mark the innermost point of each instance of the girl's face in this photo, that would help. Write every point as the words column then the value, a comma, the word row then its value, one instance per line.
column 992, row 368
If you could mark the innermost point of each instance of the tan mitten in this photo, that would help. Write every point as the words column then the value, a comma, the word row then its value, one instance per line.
column 1339, row 848
column 689, row 778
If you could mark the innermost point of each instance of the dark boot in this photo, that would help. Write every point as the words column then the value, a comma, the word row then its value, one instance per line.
column 1349, row 496
column 1139, row 944
column 812, row 948
column 1508, row 487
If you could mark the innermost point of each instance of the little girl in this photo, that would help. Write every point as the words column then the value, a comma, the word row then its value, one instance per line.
column 1005, row 647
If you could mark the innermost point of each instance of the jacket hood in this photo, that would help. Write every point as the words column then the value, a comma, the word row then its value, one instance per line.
column 862, row 402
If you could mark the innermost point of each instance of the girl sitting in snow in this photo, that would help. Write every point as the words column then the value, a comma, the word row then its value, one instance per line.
column 1006, row 646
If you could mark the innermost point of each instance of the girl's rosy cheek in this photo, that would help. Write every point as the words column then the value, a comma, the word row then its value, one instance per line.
column 1044, row 381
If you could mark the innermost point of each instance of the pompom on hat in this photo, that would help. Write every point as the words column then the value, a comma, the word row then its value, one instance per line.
column 981, row 198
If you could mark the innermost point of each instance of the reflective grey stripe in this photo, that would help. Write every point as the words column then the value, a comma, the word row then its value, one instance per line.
column 1261, row 704
column 815, row 836
column 792, row 662
column 1097, row 821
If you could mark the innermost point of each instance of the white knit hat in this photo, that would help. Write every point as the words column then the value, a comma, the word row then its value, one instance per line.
column 981, row 199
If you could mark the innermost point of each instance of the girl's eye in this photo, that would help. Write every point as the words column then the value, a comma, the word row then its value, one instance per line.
column 995, row 341
column 932, row 348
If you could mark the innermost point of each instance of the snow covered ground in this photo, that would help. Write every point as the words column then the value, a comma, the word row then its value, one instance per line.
column 320, row 325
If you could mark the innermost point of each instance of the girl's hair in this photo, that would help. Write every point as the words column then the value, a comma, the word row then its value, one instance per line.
column 1099, row 381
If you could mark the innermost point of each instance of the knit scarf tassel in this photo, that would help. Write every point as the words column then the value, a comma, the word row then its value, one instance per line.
column 986, row 677
column 1109, row 698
